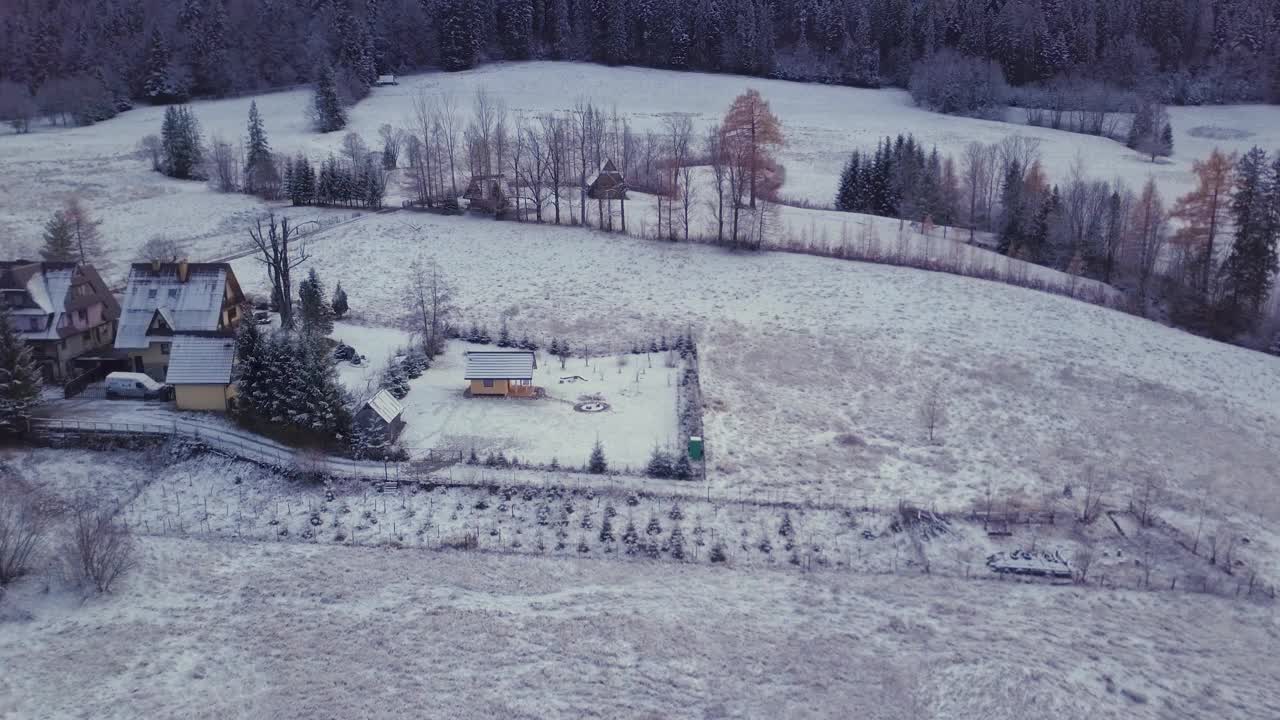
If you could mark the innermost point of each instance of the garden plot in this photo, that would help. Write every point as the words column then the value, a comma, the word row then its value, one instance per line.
column 639, row 391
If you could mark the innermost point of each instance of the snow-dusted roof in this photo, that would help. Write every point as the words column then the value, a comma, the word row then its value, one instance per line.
column 191, row 306
column 386, row 406
column 500, row 365
column 195, row 360
column 47, row 287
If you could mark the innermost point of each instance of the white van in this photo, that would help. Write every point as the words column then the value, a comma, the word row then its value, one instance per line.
column 136, row 385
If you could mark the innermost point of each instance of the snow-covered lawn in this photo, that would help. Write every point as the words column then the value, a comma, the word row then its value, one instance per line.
column 245, row 629
column 813, row 369
column 822, row 124
column 641, row 394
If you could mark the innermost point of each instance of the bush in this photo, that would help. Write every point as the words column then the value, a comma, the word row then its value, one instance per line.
column 953, row 83
column 21, row 534
column 99, row 550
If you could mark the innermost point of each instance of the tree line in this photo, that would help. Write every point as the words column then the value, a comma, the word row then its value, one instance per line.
column 84, row 60
column 1212, row 272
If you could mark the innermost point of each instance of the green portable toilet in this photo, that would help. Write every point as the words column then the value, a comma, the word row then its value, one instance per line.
column 695, row 447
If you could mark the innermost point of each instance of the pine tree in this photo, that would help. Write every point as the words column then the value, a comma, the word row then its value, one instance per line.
column 847, row 193
column 19, row 377
column 504, row 335
column 654, row 527
column 181, row 147
column 597, row 465
column 676, row 543
column 250, row 371
column 314, row 307
column 340, row 306
column 1249, row 270
column 329, row 113
column 59, row 241
column 682, row 470
column 631, row 538
column 659, row 464
column 1012, row 228
column 257, row 164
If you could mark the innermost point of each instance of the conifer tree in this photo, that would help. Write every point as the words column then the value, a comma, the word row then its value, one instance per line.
column 250, row 371
column 20, row 378
column 1249, row 270
column 329, row 113
column 597, row 465
column 257, row 163
column 340, row 306
column 59, row 242
column 314, row 307
column 181, row 147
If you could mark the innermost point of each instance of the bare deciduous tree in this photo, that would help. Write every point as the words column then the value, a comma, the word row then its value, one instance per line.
column 224, row 166
column 933, row 409
column 99, row 550
column 151, row 148
column 22, row 529
column 431, row 299
column 1082, row 561
column 160, row 248
column 280, row 250
column 1094, row 491
column 1146, row 497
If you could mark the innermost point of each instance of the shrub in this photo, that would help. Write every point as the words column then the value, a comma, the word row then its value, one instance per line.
column 954, row 83
column 99, row 550
column 21, row 534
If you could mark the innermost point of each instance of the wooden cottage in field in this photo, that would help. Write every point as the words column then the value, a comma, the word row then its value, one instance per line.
column 609, row 185
column 488, row 193
column 382, row 417
column 505, row 373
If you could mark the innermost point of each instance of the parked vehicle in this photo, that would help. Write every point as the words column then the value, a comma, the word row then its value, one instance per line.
column 138, row 386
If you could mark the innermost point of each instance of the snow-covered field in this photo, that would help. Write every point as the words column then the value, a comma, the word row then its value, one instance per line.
column 225, row 629
column 813, row 369
column 641, row 394
column 210, row 626
column 822, row 124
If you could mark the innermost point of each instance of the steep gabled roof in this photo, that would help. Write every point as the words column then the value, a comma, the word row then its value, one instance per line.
column 50, row 290
column 385, row 405
column 191, row 305
column 500, row 365
column 608, row 184
column 195, row 360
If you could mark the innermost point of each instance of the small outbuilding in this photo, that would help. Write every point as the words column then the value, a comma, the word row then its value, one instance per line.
column 200, row 372
column 609, row 185
column 382, row 415
column 488, row 193
column 386, row 80
column 504, row 373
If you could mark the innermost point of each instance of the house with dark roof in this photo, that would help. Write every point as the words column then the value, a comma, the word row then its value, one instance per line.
column 609, row 185
column 200, row 371
column 165, row 300
column 505, row 373
column 64, row 312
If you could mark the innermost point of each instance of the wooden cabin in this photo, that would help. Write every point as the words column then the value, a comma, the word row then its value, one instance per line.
column 488, row 193
column 381, row 418
column 609, row 185
column 502, row 373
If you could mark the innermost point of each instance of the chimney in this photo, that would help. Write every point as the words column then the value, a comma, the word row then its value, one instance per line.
column 182, row 270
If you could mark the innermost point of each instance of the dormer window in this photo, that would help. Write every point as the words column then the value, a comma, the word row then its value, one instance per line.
column 151, row 294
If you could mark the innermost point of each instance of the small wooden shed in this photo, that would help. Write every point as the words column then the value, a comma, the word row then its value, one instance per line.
column 505, row 373
column 488, row 193
column 382, row 417
column 609, row 185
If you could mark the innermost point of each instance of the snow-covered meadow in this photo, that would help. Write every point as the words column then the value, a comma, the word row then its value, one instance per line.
column 280, row 624
column 822, row 123
column 813, row 369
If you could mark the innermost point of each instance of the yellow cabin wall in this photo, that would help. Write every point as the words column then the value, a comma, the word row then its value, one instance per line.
column 203, row 397
column 499, row 388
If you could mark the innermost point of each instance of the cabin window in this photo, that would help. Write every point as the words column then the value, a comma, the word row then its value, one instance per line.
column 151, row 294
column 83, row 315
column 173, row 293
column 164, row 348
column 488, row 383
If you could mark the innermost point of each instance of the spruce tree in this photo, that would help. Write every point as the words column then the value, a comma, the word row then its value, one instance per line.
column 682, row 470
column 314, row 308
column 846, row 195
column 20, row 378
column 59, row 239
column 250, row 371
column 1250, row 269
column 257, row 163
column 181, row 147
column 340, row 306
column 597, row 465
column 504, row 335
column 329, row 113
